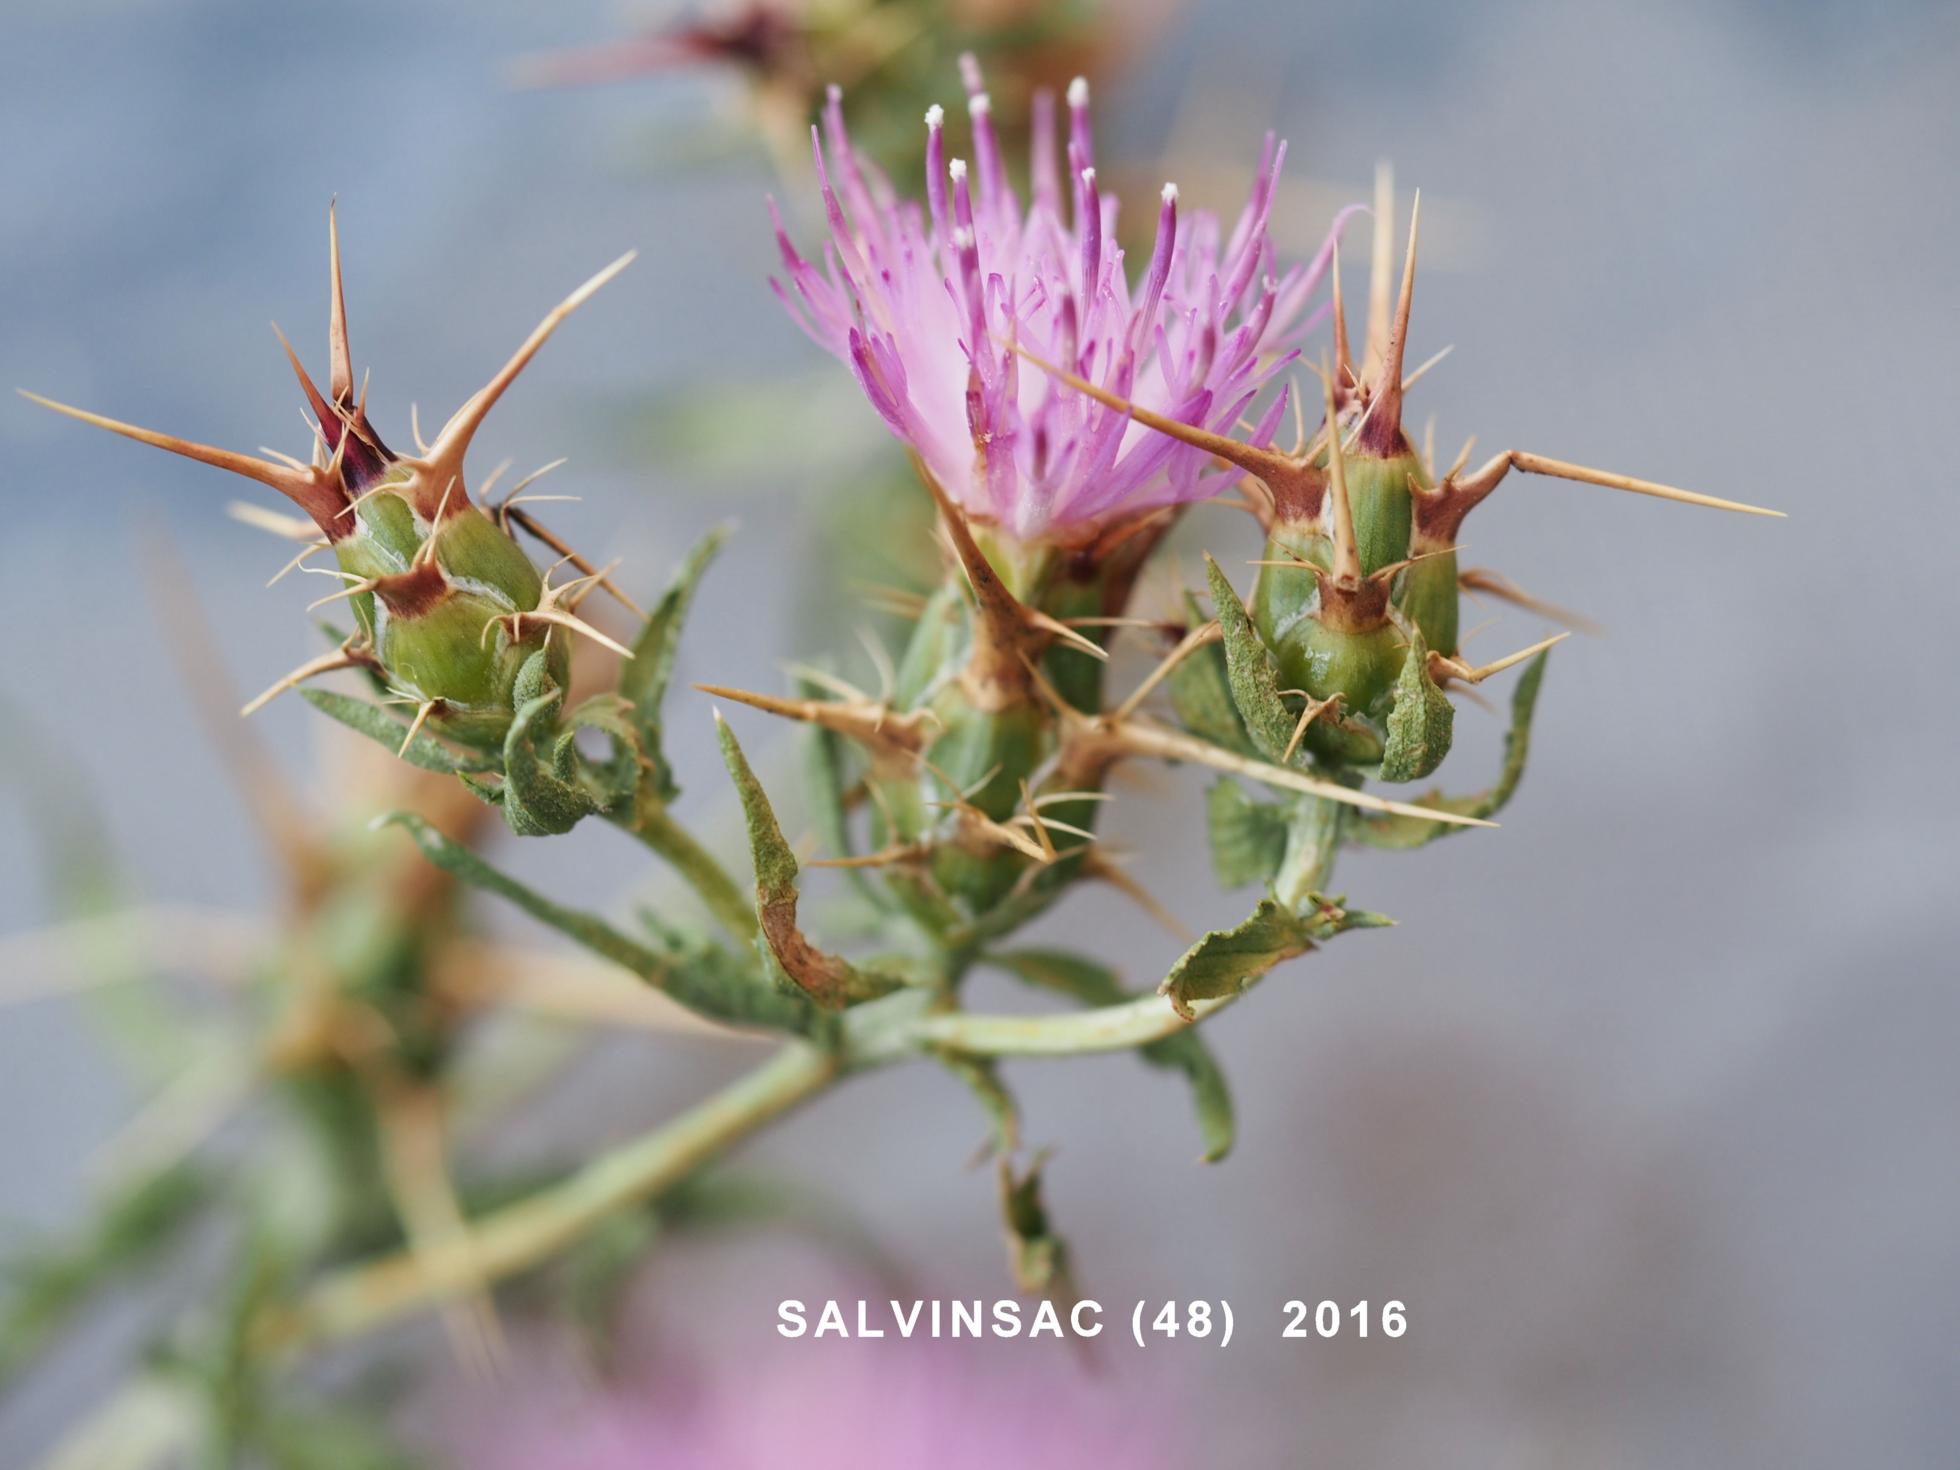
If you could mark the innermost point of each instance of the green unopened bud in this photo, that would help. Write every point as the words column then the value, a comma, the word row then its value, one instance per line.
column 453, row 632
column 448, row 608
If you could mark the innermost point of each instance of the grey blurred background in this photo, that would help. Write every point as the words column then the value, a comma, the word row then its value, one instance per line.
column 1647, row 1109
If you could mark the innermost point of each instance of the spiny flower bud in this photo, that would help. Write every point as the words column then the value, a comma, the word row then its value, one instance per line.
column 1356, row 601
column 450, row 611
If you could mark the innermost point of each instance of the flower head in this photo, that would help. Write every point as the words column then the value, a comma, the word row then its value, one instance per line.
column 934, row 309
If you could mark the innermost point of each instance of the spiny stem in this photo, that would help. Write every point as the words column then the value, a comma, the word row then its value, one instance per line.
column 361, row 1298
column 731, row 905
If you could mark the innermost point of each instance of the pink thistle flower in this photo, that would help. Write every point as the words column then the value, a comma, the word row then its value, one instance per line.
column 928, row 306
column 836, row 1406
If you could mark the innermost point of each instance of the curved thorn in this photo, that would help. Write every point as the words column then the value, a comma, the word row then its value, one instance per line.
column 1456, row 669
column 422, row 713
column 874, row 726
column 1313, row 711
column 1189, row 644
column 321, row 410
column 1347, row 552
column 326, row 663
column 1139, row 737
column 340, row 366
column 1428, row 363
column 296, row 485
column 1388, row 384
column 577, row 625
column 1381, row 261
column 462, row 426
column 1268, row 464
column 1343, row 358
column 1486, row 479
column 1492, row 584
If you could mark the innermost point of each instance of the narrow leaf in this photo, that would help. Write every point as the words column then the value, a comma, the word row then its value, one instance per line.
column 830, row 980
column 1249, row 667
column 377, row 724
column 643, row 679
column 706, row 980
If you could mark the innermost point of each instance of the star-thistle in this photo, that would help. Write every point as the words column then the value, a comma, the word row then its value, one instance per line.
column 1061, row 411
column 449, row 611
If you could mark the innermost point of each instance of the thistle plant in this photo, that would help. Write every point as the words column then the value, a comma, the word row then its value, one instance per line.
column 1063, row 412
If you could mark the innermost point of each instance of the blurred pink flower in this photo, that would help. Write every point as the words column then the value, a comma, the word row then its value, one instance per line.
column 830, row 1405
column 927, row 307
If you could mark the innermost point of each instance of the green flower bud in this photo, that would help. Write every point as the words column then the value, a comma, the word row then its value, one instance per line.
column 448, row 608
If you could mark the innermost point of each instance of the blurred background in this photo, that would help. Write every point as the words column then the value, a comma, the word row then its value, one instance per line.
column 1647, row 1109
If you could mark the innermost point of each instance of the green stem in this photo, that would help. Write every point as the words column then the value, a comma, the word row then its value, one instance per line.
column 1107, row 1028
column 1313, row 841
column 726, row 899
column 506, row 1241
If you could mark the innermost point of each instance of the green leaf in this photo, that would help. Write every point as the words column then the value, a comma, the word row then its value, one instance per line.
column 830, row 980
column 704, row 979
column 1038, row 1257
column 1249, row 668
column 542, row 796
column 643, row 679
column 1248, row 838
column 1201, row 693
column 1226, row 961
column 1405, row 832
column 1421, row 721
column 1097, row 985
column 425, row 750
